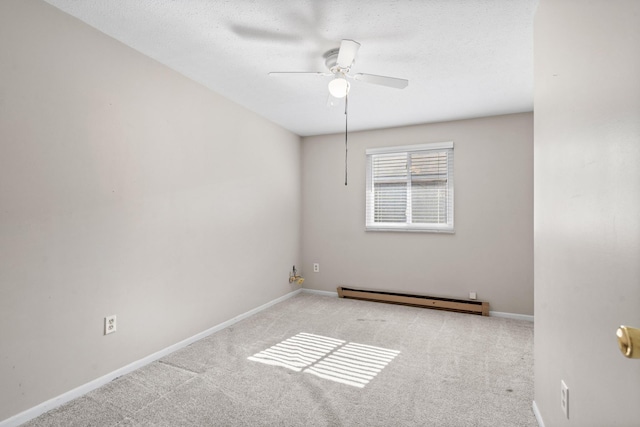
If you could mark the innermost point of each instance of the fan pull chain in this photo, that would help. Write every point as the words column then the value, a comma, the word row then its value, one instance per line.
column 346, row 133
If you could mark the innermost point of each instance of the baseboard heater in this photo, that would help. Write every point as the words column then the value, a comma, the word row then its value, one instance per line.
column 449, row 304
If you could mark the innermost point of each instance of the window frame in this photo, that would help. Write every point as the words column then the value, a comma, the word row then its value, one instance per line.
column 371, row 225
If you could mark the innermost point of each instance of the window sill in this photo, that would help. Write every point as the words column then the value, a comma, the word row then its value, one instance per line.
column 412, row 230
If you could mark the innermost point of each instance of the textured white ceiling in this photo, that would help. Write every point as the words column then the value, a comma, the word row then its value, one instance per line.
column 463, row 58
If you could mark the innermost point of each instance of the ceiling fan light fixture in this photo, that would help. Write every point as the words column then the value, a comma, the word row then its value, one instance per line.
column 339, row 87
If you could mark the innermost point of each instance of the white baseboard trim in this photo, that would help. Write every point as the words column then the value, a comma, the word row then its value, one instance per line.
column 317, row 292
column 516, row 316
column 50, row 404
column 536, row 412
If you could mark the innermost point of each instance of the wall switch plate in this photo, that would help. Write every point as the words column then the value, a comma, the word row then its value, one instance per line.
column 109, row 324
column 564, row 398
column 316, row 267
column 472, row 295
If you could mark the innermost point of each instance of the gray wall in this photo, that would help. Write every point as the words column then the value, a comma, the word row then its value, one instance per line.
column 125, row 189
column 491, row 251
column 587, row 209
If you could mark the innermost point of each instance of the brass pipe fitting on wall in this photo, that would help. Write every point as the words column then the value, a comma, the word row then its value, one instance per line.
column 629, row 341
column 294, row 277
column 298, row 279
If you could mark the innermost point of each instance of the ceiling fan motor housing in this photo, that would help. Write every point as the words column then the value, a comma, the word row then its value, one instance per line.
column 331, row 62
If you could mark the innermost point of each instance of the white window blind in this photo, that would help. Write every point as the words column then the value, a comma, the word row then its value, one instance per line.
column 410, row 188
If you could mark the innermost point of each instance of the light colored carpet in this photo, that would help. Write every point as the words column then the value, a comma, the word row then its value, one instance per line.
column 382, row 365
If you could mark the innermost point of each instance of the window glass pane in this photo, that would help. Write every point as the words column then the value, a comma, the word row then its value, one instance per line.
column 390, row 167
column 429, row 202
column 429, row 187
column 429, row 166
column 390, row 202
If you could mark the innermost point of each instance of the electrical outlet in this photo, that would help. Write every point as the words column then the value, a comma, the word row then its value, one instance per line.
column 109, row 324
column 564, row 398
column 316, row 267
column 472, row 295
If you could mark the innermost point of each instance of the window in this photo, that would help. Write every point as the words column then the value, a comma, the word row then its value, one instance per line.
column 410, row 188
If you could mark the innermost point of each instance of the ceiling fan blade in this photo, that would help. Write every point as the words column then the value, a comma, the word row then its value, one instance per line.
column 347, row 53
column 314, row 73
column 382, row 80
column 263, row 35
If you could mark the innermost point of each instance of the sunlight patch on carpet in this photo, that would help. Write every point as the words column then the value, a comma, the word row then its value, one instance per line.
column 353, row 364
column 329, row 358
column 297, row 352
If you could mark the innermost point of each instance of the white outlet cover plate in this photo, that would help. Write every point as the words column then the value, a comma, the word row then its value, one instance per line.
column 564, row 398
column 109, row 324
column 316, row 267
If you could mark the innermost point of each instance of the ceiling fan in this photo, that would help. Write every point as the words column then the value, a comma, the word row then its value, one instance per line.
column 339, row 62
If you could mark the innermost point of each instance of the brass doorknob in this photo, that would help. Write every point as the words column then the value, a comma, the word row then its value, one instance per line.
column 629, row 341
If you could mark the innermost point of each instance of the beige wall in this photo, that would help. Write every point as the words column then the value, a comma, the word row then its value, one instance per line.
column 587, row 209
column 125, row 189
column 491, row 251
